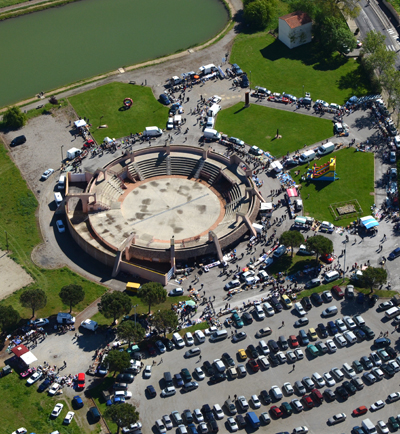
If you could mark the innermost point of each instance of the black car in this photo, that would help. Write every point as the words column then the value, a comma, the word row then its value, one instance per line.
column 349, row 387
column 382, row 342
column 164, row 99
column 168, row 344
column 208, row 368
column 372, row 301
column 370, row 334
column 213, row 426
column 305, row 101
column 322, row 330
column 329, row 395
column 252, row 352
column 43, row 386
column 273, row 359
column 366, row 362
column 273, row 346
column 125, row 378
column 391, row 352
column 247, row 318
column 151, row 391
column 207, row 412
column 316, row 299
column 245, row 81
column 227, row 359
column 388, row 370
column 186, row 375
column 283, row 343
column 236, row 69
column 187, row 415
column 18, row 141
column 266, row 397
column 275, row 303
column 218, row 377
column 360, row 334
column 240, row 421
column 342, row 392
column 306, row 303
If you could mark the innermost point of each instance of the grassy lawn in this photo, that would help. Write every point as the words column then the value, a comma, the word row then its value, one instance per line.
column 26, row 407
column 17, row 217
column 142, row 308
column 356, row 173
column 257, row 125
column 106, row 102
column 199, row 326
column 280, row 69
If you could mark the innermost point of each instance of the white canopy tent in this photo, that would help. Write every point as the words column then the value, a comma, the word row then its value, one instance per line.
column 80, row 123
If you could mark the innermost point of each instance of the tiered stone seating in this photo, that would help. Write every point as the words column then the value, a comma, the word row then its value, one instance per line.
column 132, row 171
column 211, row 170
column 153, row 167
column 184, row 166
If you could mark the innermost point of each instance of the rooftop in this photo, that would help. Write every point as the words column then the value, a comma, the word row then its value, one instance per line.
column 296, row 19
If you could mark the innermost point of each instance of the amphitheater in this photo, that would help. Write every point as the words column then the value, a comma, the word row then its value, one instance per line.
column 151, row 210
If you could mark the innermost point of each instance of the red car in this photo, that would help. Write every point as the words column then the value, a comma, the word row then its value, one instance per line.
column 328, row 258
column 151, row 350
column 254, row 365
column 338, row 291
column 293, row 341
column 81, row 380
column 308, row 401
column 360, row 410
column 276, row 411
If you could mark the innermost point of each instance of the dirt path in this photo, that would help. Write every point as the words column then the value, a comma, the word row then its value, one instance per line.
column 25, row 4
column 13, row 276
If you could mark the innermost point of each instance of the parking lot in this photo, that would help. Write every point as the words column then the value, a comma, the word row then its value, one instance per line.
column 315, row 419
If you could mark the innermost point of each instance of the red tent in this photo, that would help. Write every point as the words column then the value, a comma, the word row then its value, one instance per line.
column 20, row 350
column 292, row 192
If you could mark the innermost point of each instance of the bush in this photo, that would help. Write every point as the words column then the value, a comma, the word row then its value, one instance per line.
column 13, row 118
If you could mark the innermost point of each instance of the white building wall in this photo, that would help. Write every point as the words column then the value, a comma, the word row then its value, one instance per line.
column 293, row 38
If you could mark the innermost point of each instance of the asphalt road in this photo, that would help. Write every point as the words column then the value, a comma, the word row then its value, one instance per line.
column 315, row 419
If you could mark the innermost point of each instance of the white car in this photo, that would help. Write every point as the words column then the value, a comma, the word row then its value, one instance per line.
column 57, row 410
column 160, row 426
column 176, row 291
column 219, row 365
column 320, row 382
column 340, row 340
column 40, row 322
column 60, row 226
column 168, row 391
column 167, row 421
column 288, row 388
column 377, row 372
column 189, row 339
column 383, row 427
column 35, row 377
column 216, row 99
column 331, row 346
column 281, row 357
column 264, row 417
column 337, row 418
column 377, row 405
column 198, row 415
column 299, row 354
column 243, row 403
column 300, row 430
column 340, row 325
column 300, row 309
column 263, row 361
column 359, row 320
column 68, row 418
column 259, row 312
column 182, row 429
column 264, row 347
column 297, row 405
column 291, row 356
column 328, row 296
column 394, row 364
column 236, row 141
column 54, row 389
column 256, row 401
column 322, row 102
column 47, row 174
column 147, row 371
column 20, row 431
column 330, row 382
column 233, row 426
column 375, row 359
column 277, row 393
column 202, row 428
column 219, row 414
column 393, row 397
column 337, row 373
column 199, row 373
column 170, row 123
column 349, row 322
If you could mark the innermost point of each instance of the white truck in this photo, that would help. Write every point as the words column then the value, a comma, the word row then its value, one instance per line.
column 65, row 318
column 73, row 152
column 207, row 69
column 89, row 325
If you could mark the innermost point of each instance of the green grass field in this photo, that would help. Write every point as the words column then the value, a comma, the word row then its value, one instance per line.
column 299, row 70
column 17, row 217
column 356, row 173
column 257, row 125
column 106, row 102
column 24, row 406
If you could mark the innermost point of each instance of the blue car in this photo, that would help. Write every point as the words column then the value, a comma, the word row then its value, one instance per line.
column 192, row 428
column 395, row 253
column 164, row 99
column 332, row 328
column 43, row 386
column 77, row 402
column 236, row 69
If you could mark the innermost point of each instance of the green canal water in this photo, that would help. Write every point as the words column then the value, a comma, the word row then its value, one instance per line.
column 58, row 46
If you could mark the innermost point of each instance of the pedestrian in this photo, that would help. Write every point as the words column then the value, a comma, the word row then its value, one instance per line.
column 229, row 396
column 283, row 323
column 235, row 396
column 200, row 357
column 161, row 360
column 294, row 367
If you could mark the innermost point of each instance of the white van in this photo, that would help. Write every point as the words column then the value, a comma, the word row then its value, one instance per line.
column 178, row 340
column 152, row 132
column 350, row 337
column 211, row 134
column 213, row 110
column 392, row 312
column 368, row 426
column 219, row 335
column 61, row 182
column 268, row 309
column 199, row 336
column 326, row 148
column 210, row 122
column 331, row 276
column 65, row 318
column 58, row 199
column 307, row 156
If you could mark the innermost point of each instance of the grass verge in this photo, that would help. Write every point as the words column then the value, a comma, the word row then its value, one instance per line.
column 104, row 105
column 303, row 69
column 96, row 394
column 199, row 326
column 356, row 173
column 257, row 125
column 18, row 221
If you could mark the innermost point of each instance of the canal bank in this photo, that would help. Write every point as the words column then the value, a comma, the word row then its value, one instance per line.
column 40, row 70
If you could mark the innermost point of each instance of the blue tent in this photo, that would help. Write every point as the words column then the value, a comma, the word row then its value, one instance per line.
column 368, row 222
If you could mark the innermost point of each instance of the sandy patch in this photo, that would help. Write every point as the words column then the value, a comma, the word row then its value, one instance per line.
column 13, row 276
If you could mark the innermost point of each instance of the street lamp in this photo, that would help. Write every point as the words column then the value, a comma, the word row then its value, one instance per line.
column 303, row 90
column 135, row 306
column 62, row 157
column 250, row 81
column 344, row 260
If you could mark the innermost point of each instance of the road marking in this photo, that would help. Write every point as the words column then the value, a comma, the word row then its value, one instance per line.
column 391, row 31
column 390, row 48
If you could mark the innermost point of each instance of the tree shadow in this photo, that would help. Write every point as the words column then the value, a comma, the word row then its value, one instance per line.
column 356, row 81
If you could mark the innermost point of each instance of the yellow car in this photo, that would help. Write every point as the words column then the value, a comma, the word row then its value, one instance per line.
column 242, row 354
column 286, row 300
column 313, row 334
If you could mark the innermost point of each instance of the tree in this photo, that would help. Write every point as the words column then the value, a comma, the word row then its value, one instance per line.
column 378, row 57
column 13, row 118
column 258, row 13
column 292, row 239
column 372, row 277
column 333, row 33
column 320, row 244
column 114, row 304
column 72, row 295
column 118, row 361
column 122, row 415
column 390, row 80
column 165, row 320
column 130, row 331
column 9, row 317
column 34, row 299
column 152, row 293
